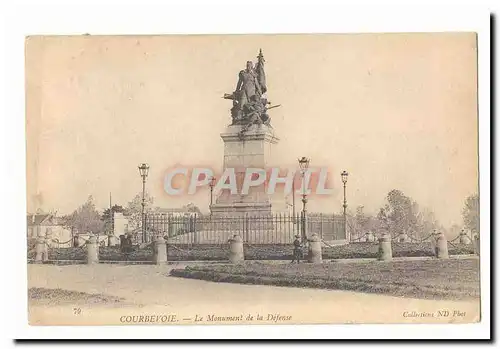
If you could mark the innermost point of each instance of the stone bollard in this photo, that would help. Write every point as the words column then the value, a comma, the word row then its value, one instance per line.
column 314, row 255
column 160, row 251
column 464, row 239
column 370, row 237
column 385, row 248
column 111, row 240
column 476, row 244
column 41, row 250
column 92, row 250
column 236, row 254
column 442, row 247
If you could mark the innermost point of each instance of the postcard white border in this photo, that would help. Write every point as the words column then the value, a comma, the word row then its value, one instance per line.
column 216, row 16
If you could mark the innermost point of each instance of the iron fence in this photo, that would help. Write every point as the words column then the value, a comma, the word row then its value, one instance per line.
column 273, row 228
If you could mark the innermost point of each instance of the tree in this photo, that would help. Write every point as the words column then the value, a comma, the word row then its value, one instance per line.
column 134, row 209
column 426, row 223
column 470, row 214
column 107, row 216
column 361, row 218
column 399, row 214
column 402, row 215
column 193, row 208
column 85, row 219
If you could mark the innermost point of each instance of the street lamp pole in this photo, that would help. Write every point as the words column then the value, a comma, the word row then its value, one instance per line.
column 293, row 198
column 304, row 165
column 143, row 171
column 344, row 176
column 212, row 185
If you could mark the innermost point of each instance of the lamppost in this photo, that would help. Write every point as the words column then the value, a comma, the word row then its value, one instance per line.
column 212, row 185
column 293, row 198
column 344, row 176
column 304, row 165
column 143, row 171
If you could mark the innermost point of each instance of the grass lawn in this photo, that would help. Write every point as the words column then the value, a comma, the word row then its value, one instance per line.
column 44, row 296
column 254, row 252
column 431, row 279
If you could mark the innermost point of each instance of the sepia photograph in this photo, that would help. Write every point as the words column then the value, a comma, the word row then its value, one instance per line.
column 241, row 179
column 184, row 172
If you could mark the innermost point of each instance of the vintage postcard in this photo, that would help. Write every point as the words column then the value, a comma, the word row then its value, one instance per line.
column 252, row 179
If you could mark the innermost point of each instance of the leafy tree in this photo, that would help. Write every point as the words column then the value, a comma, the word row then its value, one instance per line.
column 398, row 214
column 426, row 224
column 134, row 209
column 470, row 214
column 361, row 218
column 193, row 208
column 403, row 215
column 107, row 216
column 85, row 219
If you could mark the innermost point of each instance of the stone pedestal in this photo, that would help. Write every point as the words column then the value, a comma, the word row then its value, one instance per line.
column 314, row 255
column 476, row 245
column 385, row 248
column 92, row 250
column 442, row 247
column 251, row 149
column 236, row 252
column 160, row 251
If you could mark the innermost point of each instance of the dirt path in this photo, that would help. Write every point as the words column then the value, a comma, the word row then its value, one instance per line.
column 148, row 291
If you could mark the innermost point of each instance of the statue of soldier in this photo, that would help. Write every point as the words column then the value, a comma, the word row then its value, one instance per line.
column 247, row 87
column 253, row 111
column 249, row 106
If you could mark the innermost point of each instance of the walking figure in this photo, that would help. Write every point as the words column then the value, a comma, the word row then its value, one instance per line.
column 297, row 249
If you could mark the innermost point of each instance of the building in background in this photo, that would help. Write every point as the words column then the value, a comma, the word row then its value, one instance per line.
column 50, row 226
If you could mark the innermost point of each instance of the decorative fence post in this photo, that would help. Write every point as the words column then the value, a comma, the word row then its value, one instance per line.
column 236, row 254
column 314, row 255
column 160, row 251
column 442, row 247
column 92, row 250
column 385, row 248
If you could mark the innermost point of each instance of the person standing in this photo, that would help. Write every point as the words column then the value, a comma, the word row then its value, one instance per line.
column 297, row 249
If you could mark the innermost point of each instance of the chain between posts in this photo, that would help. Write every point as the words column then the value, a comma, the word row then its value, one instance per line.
column 421, row 240
column 451, row 242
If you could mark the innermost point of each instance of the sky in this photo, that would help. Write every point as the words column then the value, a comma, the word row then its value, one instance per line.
column 397, row 111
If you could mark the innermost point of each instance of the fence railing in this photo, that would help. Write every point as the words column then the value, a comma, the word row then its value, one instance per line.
column 275, row 228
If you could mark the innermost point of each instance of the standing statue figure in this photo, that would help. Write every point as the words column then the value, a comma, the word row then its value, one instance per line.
column 248, row 85
column 249, row 106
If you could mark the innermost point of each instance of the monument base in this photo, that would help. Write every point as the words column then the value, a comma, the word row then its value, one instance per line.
column 243, row 150
column 241, row 209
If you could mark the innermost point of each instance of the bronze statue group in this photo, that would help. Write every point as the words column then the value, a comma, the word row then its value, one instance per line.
column 249, row 105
